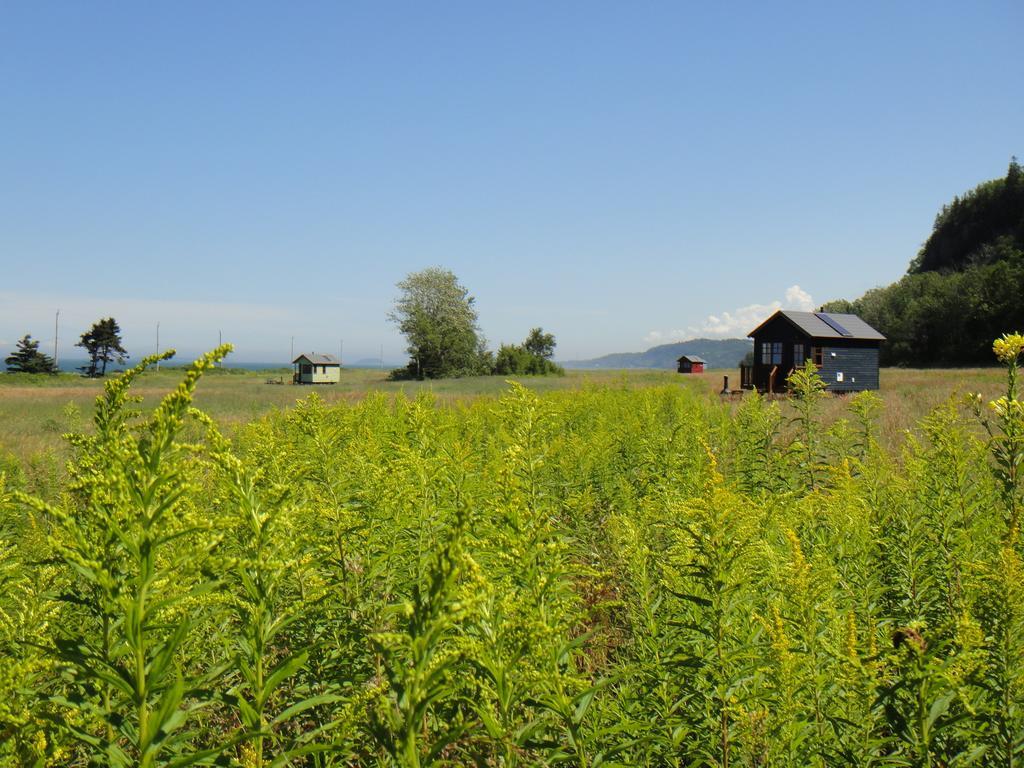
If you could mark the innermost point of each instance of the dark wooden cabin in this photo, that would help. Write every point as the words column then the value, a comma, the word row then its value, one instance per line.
column 844, row 348
column 691, row 364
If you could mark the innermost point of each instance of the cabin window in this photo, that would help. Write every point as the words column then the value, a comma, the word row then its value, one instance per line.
column 306, row 369
column 818, row 354
column 771, row 352
column 798, row 355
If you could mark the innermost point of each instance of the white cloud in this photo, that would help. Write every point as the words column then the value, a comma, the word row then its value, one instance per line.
column 798, row 298
column 665, row 337
column 736, row 322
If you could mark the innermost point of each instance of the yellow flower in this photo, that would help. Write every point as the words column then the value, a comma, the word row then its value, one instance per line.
column 1009, row 347
column 1007, row 408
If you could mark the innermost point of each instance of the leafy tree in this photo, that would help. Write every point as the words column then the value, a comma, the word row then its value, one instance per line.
column 540, row 344
column 435, row 313
column 103, row 343
column 511, row 359
column 532, row 357
column 28, row 358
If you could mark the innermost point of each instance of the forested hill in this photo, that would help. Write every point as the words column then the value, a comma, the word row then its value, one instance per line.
column 718, row 353
column 963, row 289
column 974, row 229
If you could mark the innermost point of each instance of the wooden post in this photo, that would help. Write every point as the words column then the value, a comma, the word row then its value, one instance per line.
column 725, row 385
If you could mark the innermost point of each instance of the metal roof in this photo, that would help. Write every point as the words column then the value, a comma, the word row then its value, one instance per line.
column 827, row 325
column 316, row 359
column 692, row 359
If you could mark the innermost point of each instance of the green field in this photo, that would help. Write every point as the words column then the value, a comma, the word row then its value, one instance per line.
column 601, row 569
column 36, row 410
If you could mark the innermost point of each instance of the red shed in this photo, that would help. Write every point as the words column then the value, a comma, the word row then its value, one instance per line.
column 691, row 364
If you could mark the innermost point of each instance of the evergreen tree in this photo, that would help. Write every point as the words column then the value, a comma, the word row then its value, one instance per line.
column 28, row 358
column 1013, row 174
column 103, row 343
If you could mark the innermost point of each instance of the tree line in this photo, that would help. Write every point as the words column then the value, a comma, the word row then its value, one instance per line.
column 963, row 288
column 434, row 312
column 102, row 342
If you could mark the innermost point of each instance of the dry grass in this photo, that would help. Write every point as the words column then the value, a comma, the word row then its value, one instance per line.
column 909, row 395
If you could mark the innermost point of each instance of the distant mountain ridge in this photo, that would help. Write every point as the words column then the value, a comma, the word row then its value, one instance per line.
column 718, row 353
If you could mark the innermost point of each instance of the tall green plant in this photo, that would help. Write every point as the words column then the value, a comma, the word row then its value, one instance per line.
column 419, row 662
column 135, row 547
column 758, row 463
column 25, row 736
column 865, row 407
column 808, row 390
column 1006, row 430
column 928, row 698
column 713, row 581
column 261, row 577
column 802, row 677
column 1002, row 611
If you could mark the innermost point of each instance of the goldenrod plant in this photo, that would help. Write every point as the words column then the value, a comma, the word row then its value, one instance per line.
column 135, row 545
column 419, row 662
column 26, row 736
column 758, row 465
column 1005, row 427
column 808, row 390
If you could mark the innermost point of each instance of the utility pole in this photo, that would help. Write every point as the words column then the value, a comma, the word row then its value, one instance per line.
column 158, row 344
column 56, row 331
column 341, row 351
column 293, row 350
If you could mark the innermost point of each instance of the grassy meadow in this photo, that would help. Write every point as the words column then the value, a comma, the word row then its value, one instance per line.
column 35, row 411
column 601, row 569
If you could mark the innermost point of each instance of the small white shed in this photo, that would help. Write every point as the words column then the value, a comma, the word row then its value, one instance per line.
column 311, row 368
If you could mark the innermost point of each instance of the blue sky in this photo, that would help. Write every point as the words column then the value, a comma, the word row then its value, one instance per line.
column 621, row 174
